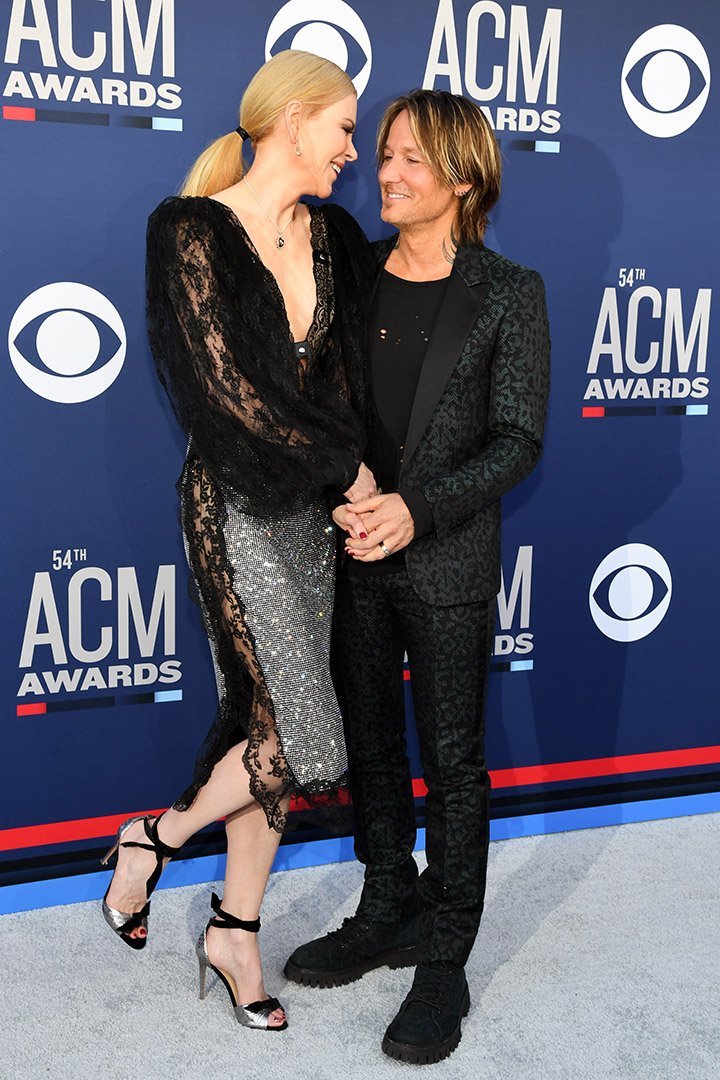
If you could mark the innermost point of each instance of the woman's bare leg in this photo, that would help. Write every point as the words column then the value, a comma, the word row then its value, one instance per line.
column 252, row 846
column 227, row 791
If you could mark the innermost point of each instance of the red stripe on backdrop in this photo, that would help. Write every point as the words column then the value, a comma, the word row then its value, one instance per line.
column 15, row 112
column 35, row 709
column 62, row 832
column 610, row 766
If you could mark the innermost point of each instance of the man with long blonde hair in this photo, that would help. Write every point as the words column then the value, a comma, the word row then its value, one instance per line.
column 459, row 352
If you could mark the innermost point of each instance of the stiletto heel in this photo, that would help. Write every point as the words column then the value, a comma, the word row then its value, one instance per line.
column 203, row 973
column 257, row 1013
column 121, row 922
column 109, row 854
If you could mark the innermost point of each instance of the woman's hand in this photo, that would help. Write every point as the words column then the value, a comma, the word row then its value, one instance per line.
column 363, row 486
column 388, row 525
column 349, row 522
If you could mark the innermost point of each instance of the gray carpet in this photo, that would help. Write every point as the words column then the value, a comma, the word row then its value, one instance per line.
column 598, row 960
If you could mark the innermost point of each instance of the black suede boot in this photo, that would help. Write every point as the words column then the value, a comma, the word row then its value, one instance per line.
column 427, row 1027
column 356, row 947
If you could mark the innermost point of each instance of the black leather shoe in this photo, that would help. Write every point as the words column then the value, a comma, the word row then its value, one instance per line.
column 427, row 1027
column 358, row 946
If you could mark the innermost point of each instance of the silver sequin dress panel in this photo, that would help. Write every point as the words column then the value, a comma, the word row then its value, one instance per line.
column 283, row 576
column 284, row 570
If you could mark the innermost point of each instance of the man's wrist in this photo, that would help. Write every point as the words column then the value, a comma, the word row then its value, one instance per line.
column 420, row 510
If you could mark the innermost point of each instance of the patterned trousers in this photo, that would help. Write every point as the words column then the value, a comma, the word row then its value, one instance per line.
column 377, row 619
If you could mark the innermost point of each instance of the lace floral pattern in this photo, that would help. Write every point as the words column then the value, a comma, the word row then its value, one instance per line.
column 265, row 434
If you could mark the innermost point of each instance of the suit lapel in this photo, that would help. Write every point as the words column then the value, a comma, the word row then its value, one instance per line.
column 381, row 251
column 464, row 296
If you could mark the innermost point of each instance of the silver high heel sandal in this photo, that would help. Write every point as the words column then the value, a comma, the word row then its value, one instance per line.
column 257, row 1013
column 122, row 923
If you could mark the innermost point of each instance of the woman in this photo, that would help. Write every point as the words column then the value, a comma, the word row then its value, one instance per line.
column 255, row 321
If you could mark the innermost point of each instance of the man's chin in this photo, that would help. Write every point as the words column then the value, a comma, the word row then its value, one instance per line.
column 391, row 213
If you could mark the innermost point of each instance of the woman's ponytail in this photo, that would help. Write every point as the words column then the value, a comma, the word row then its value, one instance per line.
column 219, row 166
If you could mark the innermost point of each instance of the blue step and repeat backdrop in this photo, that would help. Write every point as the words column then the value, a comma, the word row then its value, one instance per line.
column 603, row 702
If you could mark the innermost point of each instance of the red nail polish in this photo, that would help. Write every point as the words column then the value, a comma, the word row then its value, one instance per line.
column 363, row 536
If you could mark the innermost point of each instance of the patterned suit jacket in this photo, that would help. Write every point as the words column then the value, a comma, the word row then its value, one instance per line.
column 477, row 419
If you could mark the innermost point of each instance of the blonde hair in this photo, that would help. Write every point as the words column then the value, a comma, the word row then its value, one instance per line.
column 292, row 75
column 460, row 147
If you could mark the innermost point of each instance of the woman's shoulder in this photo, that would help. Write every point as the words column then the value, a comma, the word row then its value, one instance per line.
column 350, row 242
column 342, row 221
column 183, row 211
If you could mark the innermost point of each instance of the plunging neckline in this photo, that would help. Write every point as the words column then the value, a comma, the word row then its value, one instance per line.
column 312, row 210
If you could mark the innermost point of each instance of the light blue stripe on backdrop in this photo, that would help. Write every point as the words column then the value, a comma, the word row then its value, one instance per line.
column 168, row 695
column 73, row 890
column 166, row 123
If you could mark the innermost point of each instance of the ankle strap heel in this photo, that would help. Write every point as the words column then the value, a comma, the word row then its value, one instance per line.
column 160, row 850
column 124, row 923
column 223, row 920
column 257, row 1013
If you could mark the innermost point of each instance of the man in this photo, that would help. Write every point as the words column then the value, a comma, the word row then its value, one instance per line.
column 459, row 351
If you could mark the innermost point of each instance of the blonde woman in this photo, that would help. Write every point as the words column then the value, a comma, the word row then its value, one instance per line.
column 255, row 320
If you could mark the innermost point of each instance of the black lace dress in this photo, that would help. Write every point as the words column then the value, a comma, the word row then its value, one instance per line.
column 271, row 424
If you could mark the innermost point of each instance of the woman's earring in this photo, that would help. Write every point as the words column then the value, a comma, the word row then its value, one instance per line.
column 298, row 151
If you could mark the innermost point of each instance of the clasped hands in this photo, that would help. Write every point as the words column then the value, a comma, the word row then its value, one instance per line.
column 377, row 525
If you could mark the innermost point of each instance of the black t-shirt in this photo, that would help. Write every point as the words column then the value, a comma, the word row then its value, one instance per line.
column 401, row 321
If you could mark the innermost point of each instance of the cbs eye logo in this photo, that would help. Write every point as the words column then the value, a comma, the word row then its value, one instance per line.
column 630, row 592
column 67, row 326
column 665, row 81
column 320, row 34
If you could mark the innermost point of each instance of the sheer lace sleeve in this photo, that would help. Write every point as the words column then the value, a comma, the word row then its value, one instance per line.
column 223, row 352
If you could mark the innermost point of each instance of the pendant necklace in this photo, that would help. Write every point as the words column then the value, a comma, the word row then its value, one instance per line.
column 279, row 239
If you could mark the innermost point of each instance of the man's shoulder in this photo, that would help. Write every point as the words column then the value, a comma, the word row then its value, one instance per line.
column 493, row 266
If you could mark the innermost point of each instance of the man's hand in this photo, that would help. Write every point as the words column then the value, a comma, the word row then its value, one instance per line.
column 363, row 486
column 386, row 520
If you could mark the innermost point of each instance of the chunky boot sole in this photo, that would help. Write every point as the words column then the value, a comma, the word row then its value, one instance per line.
column 427, row 1055
column 394, row 958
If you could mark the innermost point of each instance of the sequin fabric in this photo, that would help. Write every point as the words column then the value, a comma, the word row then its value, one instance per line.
column 265, row 577
column 285, row 573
